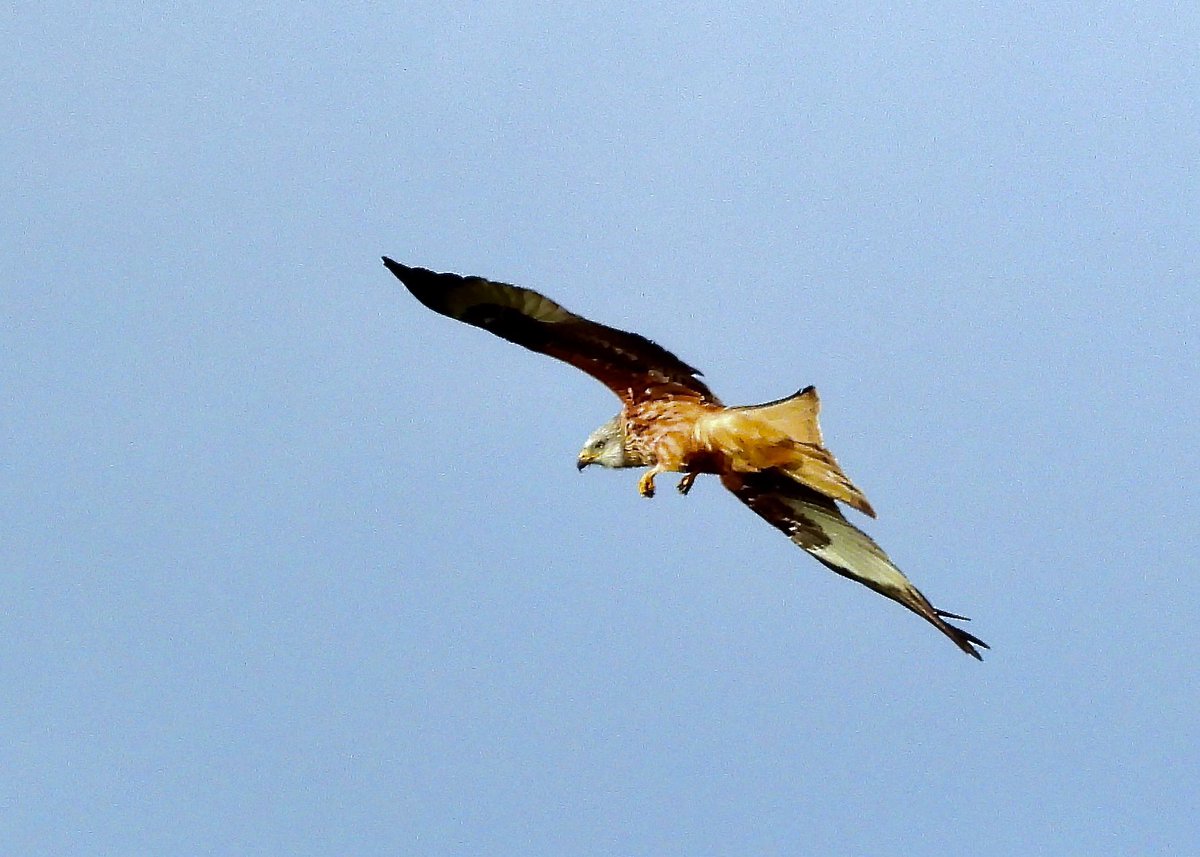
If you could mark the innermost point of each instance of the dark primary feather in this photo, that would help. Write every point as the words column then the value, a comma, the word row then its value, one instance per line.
column 631, row 365
column 813, row 522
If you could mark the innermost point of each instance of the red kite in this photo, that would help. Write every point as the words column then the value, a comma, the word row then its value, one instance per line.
column 771, row 456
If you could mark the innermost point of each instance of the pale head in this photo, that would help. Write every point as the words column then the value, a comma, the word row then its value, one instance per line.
column 605, row 446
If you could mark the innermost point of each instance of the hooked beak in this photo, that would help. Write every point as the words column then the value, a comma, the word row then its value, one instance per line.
column 583, row 461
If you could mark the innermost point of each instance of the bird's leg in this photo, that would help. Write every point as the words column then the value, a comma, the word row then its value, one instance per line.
column 646, row 483
column 685, row 484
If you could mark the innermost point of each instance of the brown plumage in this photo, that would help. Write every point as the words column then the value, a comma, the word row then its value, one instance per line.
column 772, row 457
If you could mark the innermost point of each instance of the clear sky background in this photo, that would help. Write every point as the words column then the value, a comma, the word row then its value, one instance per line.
column 293, row 566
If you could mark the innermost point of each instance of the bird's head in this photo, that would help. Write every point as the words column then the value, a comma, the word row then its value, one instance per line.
column 605, row 446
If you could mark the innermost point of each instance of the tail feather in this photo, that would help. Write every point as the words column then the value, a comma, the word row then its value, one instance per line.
column 794, row 415
column 784, row 436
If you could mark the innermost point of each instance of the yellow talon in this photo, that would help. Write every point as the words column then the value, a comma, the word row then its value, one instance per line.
column 646, row 484
column 685, row 484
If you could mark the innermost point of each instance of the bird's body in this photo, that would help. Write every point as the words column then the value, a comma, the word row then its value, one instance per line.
column 662, row 434
column 771, row 457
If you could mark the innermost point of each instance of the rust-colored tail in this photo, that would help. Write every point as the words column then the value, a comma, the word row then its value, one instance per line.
column 785, row 436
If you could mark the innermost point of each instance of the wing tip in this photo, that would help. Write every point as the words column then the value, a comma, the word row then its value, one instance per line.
column 961, row 638
column 429, row 287
column 395, row 267
column 965, row 641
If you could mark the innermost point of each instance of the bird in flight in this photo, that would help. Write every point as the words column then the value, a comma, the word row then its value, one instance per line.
column 770, row 456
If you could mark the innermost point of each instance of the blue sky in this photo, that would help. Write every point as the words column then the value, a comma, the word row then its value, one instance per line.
column 295, row 566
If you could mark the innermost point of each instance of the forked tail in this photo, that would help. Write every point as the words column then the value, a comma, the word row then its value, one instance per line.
column 784, row 436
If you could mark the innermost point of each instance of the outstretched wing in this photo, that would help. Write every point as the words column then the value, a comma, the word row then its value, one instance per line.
column 630, row 365
column 814, row 523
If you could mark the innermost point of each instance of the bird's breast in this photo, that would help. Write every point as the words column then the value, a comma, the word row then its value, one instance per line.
column 661, row 432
